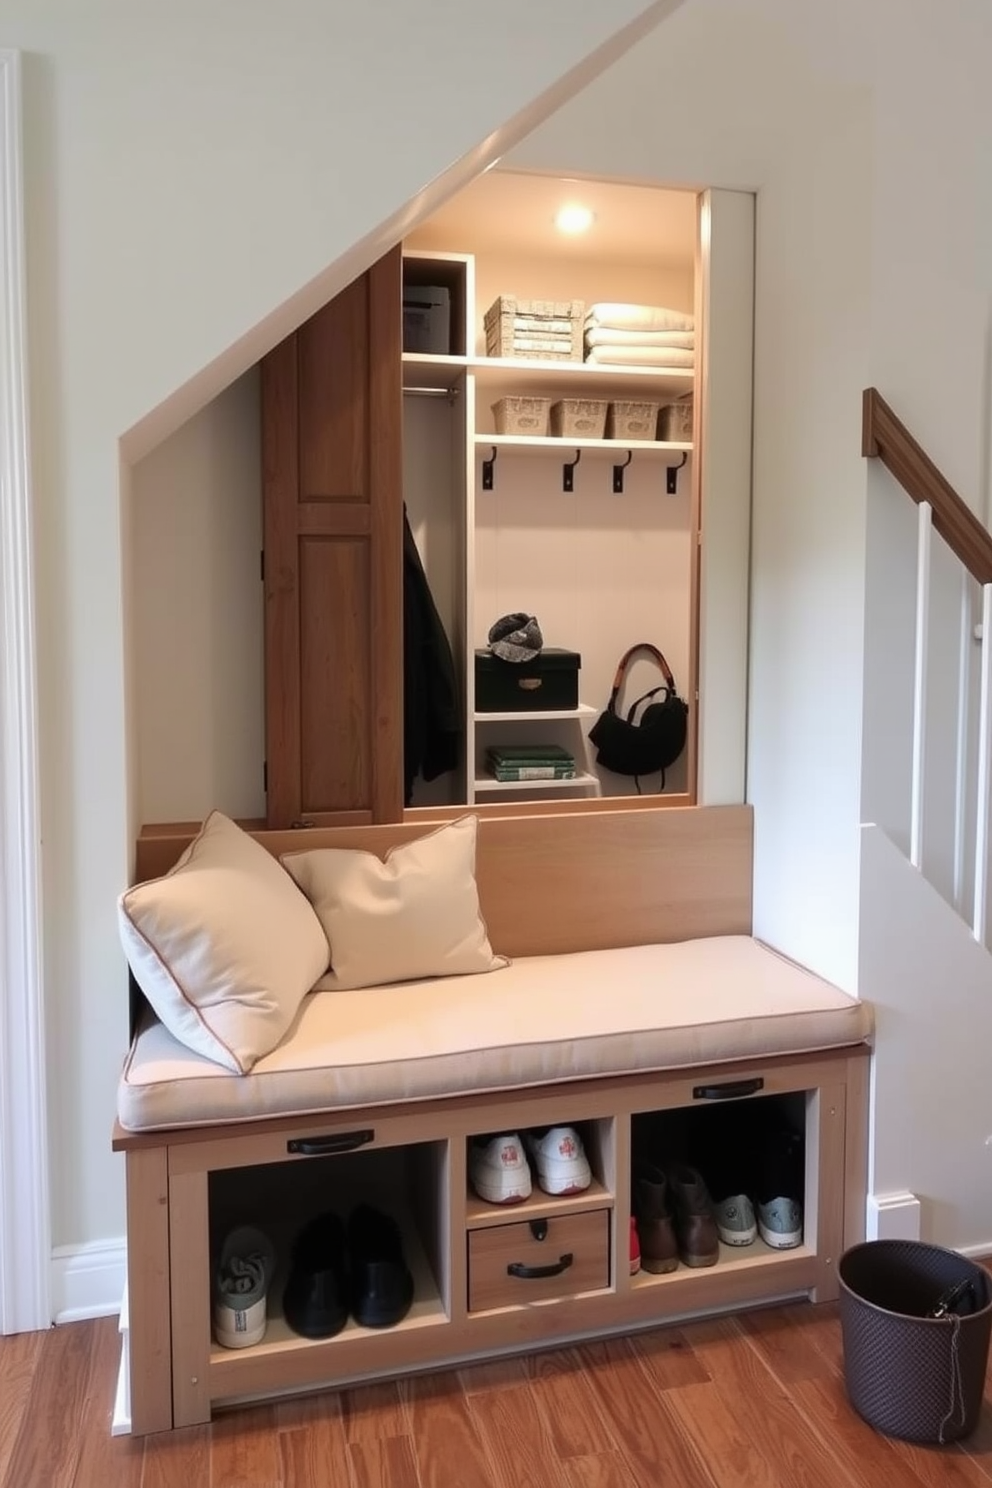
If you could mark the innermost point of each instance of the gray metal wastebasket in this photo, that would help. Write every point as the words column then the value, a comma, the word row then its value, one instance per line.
column 909, row 1375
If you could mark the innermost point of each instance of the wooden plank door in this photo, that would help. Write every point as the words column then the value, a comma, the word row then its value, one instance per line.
column 333, row 560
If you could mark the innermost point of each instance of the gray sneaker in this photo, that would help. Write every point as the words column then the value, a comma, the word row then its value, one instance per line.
column 735, row 1220
column 780, row 1223
column 241, row 1282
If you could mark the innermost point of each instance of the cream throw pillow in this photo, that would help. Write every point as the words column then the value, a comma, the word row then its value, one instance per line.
column 225, row 947
column 416, row 914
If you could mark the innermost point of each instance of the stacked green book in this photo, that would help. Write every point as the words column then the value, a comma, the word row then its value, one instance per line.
column 512, row 762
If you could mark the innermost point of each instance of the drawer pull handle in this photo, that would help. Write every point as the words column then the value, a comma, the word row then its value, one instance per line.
column 535, row 1273
column 731, row 1090
column 323, row 1146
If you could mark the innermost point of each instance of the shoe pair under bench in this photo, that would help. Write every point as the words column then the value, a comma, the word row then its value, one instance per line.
column 337, row 1271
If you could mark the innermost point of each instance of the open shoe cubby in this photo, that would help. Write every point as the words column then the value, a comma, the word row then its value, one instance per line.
column 186, row 1188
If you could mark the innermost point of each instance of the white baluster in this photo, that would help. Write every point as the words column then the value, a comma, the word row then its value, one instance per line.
column 984, row 772
column 920, row 682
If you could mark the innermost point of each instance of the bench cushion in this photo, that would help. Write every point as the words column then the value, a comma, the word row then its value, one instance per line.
column 543, row 1020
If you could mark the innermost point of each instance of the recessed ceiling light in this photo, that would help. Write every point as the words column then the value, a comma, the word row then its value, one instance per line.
column 574, row 219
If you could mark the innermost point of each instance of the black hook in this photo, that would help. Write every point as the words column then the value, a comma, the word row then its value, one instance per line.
column 672, row 476
column 487, row 470
column 618, row 471
column 566, row 472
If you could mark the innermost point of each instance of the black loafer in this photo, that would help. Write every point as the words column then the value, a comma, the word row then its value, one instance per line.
column 315, row 1301
column 381, row 1282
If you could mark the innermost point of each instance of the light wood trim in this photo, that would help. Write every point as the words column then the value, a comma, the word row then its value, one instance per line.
column 696, row 468
column 280, row 481
column 856, row 1147
column 191, row 1300
column 386, row 504
column 150, row 1334
column 606, row 879
column 884, row 436
column 584, row 1236
column 826, row 1157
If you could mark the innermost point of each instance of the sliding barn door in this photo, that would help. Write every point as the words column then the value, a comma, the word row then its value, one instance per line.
column 333, row 560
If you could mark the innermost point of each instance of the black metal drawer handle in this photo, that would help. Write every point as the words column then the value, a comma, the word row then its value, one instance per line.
column 732, row 1090
column 324, row 1146
column 535, row 1273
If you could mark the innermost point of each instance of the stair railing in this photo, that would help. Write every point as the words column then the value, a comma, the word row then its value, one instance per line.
column 941, row 509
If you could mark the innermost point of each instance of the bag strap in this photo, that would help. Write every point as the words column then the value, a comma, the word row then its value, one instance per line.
column 645, row 696
column 624, row 663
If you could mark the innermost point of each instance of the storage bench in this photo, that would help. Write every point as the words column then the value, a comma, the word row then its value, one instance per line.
column 608, row 1017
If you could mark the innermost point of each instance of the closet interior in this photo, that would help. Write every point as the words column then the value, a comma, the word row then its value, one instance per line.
column 541, row 481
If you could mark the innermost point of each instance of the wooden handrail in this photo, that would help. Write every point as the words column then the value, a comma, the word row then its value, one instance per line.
column 886, row 437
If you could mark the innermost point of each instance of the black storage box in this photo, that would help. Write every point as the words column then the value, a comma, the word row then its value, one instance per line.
column 549, row 681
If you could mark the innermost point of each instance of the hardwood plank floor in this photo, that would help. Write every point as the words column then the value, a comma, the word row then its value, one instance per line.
column 755, row 1401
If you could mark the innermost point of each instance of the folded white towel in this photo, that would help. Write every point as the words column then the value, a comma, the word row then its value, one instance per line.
column 641, row 356
column 610, row 336
column 638, row 317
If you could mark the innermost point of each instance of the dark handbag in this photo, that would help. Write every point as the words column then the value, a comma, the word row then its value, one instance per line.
column 640, row 745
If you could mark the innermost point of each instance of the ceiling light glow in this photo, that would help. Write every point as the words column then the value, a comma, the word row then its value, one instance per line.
column 573, row 219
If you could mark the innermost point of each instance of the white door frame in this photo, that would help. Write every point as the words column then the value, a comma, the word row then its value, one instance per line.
column 25, row 1230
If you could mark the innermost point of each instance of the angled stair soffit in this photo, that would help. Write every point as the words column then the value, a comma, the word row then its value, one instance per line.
column 187, row 400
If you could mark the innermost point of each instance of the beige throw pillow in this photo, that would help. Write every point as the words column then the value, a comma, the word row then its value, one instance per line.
column 225, row 947
column 416, row 914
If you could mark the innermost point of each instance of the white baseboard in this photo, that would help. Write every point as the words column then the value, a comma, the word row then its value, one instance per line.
column 88, row 1280
column 980, row 1252
column 893, row 1216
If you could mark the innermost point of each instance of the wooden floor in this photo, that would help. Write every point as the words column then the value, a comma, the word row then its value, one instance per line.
column 753, row 1402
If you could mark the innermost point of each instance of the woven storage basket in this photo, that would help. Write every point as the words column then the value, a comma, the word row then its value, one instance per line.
column 909, row 1375
column 522, row 415
column 632, row 421
column 675, row 421
column 579, row 418
column 545, row 330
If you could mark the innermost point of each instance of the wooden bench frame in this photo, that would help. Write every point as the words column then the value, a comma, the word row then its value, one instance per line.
column 605, row 879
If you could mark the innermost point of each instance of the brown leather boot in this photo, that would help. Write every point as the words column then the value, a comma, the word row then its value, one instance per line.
column 695, row 1221
column 655, row 1221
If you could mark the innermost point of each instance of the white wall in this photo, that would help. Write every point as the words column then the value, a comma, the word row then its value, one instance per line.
column 931, row 987
column 195, row 179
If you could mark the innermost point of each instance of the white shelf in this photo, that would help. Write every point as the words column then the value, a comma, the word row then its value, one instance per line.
column 559, row 444
column 425, row 369
column 487, row 783
column 544, row 715
column 533, row 374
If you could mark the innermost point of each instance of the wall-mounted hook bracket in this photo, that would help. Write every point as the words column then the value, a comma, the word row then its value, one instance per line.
column 672, row 476
column 567, row 479
column 488, row 468
column 618, row 471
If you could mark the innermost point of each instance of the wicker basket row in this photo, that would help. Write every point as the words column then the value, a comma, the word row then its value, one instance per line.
column 593, row 418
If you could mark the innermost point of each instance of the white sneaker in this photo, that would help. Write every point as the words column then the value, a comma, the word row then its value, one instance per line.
column 244, row 1273
column 562, row 1166
column 498, row 1169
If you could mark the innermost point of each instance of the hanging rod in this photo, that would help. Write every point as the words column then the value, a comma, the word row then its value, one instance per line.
column 432, row 392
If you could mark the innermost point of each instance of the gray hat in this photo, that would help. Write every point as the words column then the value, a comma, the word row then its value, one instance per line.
column 516, row 637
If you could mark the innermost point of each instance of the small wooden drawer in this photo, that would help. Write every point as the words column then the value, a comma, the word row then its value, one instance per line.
column 511, row 1265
